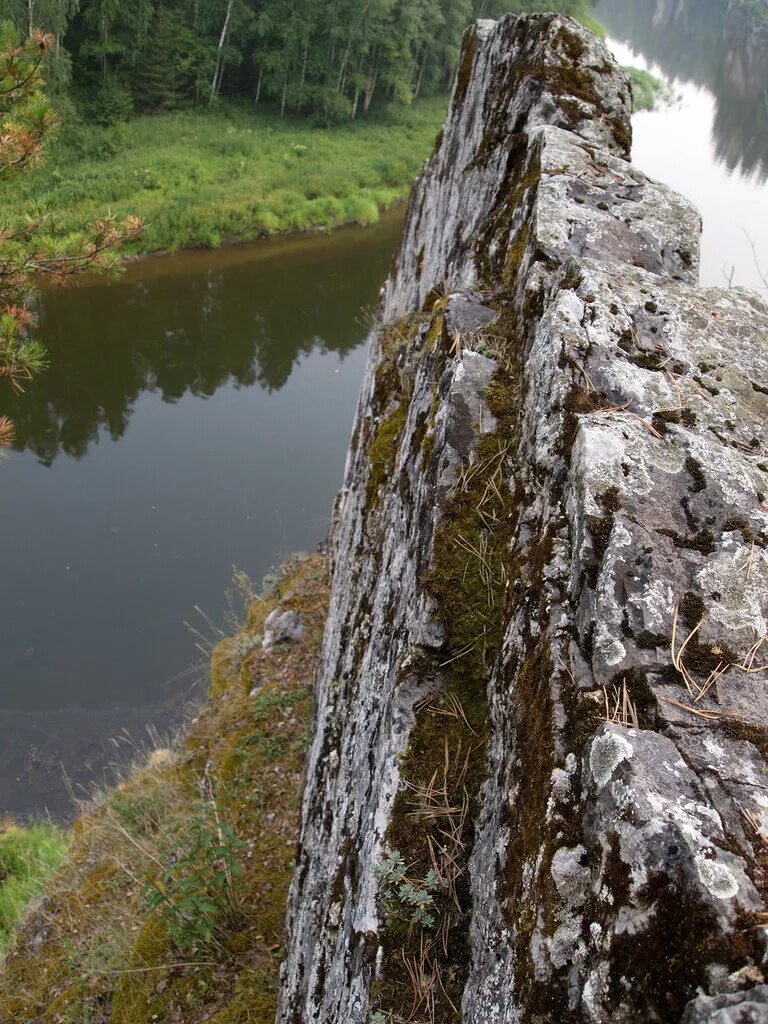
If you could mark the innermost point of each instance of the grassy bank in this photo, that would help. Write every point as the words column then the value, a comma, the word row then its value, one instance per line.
column 28, row 858
column 170, row 904
column 201, row 177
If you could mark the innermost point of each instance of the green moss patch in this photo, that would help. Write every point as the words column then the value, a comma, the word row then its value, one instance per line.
column 434, row 815
column 383, row 452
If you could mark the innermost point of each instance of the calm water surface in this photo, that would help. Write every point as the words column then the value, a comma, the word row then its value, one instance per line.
column 195, row 418
column 711, row 141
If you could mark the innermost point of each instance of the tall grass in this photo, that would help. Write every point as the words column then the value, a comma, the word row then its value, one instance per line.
column 201, row 177
column 28, row 858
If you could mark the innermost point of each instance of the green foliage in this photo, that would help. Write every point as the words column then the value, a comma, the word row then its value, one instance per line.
column 201, row 176
column 28, row 858
column 757, row 8
column 110, row 104
column 197, row 885
column 646, row 88
column 335, row 58
column 409, row 899
column 141, row 813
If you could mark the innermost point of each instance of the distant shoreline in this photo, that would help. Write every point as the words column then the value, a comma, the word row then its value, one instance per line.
column 204, row 178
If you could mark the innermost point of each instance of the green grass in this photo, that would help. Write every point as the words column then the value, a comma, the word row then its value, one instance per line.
column 202, row 177
column 28, row 858
column 592, row 23
column 757, row 8
column 647, row 89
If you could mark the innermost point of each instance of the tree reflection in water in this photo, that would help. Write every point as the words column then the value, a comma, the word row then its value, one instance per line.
column 188, row 324
column 714, row 44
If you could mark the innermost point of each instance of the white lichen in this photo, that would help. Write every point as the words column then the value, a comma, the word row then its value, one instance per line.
column 607, row 753
column 570, row 875
column 717, row 878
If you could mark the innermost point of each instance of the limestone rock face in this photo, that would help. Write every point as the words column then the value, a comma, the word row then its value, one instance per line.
column 537, row 791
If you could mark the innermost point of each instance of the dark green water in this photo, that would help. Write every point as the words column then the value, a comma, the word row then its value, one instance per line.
column 195, row 418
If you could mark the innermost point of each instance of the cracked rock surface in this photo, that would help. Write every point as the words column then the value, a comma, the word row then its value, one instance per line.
column 545, row 665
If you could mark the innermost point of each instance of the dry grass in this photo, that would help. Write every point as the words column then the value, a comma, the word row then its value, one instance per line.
column 619, row 708
column 699, row 690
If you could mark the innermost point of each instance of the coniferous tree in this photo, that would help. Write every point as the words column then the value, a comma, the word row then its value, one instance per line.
column 163, row 74
column 27, row 120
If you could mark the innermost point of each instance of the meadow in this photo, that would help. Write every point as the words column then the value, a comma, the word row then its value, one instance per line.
column 206, row 176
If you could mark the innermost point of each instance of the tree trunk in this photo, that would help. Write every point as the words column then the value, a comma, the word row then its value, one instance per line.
column 343, row 71
column 304, row 68
column 371, row 89
column 105, row 42
column 422, row 69
column 258, row 86
column 218, row 72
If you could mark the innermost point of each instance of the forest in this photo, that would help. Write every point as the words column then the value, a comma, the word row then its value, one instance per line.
column 331, row 59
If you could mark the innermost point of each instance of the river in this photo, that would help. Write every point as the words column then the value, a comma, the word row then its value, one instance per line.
column 711, row 141
column 196, row 415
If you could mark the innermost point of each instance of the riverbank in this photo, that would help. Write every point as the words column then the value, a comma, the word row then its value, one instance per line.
column 170, row 904
column 208, row 176
column 28, row 858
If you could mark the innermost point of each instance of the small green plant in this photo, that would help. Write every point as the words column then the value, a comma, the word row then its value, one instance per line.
column 647, row 89
column 411, row 899
column 28, row 858
column 196, row 890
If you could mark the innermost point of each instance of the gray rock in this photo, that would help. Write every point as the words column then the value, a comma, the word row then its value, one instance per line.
column 740, row 1008
column 613, row 866
column 281, row 628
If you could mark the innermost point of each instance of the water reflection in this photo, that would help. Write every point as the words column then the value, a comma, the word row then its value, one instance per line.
column 195, row 416
column 713, row 44
column 197, row 323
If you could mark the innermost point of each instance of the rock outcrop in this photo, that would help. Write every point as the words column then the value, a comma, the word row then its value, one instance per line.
column 537, row 789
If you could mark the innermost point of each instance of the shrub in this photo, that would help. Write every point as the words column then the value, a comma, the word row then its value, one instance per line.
column 331, row 108
column 112, row 104
column 196, row 889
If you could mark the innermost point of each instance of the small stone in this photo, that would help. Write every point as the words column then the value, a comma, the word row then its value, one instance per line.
column 749, row 1007
column 281, row 628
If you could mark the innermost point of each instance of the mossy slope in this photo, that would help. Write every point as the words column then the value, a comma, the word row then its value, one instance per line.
column 93, row 951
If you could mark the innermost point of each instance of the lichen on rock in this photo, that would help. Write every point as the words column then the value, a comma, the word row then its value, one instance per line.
column 544, row 662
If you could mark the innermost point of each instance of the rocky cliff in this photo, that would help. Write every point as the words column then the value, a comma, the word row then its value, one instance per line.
column 537, row 789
